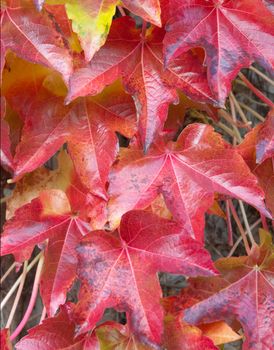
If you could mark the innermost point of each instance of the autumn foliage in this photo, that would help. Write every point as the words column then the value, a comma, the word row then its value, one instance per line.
column 113, row 139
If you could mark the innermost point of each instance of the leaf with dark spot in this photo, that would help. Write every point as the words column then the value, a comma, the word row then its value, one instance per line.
column 139, row 61
column 119, row 270
column 187, row 173
column 233, row 34
column 248, row 296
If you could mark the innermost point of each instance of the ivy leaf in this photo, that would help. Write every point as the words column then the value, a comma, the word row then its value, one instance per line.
column 91, row 20
column 53, row 333
column 51, row 217
column 4, row 339
column 64, row 178
column 220, row 332
column 48, row 124
column 138, row 60
column 233, row 34
column 44, row 46
column 187, row 173
column 265, row 174
column 248, row 296
column 265, row 139
column 257, row 148
column 5, row 150
column 149, row 10
column 178, row 334
column 57, row 333
column 119, row 270
column 115, row 336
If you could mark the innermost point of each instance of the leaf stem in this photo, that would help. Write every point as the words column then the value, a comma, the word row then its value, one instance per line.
column 43, row 316
column 229, row 118
column 239, row 109
column 229, row 131
column 251, row 110
column 32, row 299
column 238, row 241
column 240, row 227
column 246, row 223
column 7, row 272
column 4, row 199
column 144, row 28
column 256, row 91
column 264, row 222
column 229, row 226
column 18, row 294
column 234, row 117
column 122, row 11
column 259, row 103
column 17, row 282
column 262, row 75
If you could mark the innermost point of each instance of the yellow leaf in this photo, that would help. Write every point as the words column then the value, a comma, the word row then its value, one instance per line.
column 91, row 20
column 30, row 186
column 220, row 332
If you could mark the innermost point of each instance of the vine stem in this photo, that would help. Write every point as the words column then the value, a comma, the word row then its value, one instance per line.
column 144, row 28
column 4, row 199
column 256, row 91
column 251, row 110
column 122, row 11
column 240, row 227
column 18, row 294
column 264, row 222
column 32, row 299
column 234, row 118
column 228, row 131
column 231, row 120
column 256, row 102
column 17, row 282
column 229, row 227
column 238, row 241
column 239, row 109
column 7, row 272
column 248, row 230
column 43, row 316
column 262, row 75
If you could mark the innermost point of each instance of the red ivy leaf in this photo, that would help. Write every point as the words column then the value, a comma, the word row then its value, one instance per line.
column 5, row 151
column 149, row 10
column 117, row 336
column 53, row 333
column 179, row 335
column 258, row 147
column 88, row 126
column 233, row 34
column 91, row 19
column 138, row 60
column 47, row 217
column 5, row 343
column 44, row 46
column 265, row 175
column 187, row 173
column 64, row 178
column 265, row 139
column 120, row 270
column 248, row 296
column 56, row 333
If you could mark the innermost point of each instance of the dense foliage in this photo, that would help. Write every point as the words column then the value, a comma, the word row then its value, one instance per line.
column 121, row 135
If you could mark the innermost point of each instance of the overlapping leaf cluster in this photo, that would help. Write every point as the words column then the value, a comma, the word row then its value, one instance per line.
column 77, row 77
